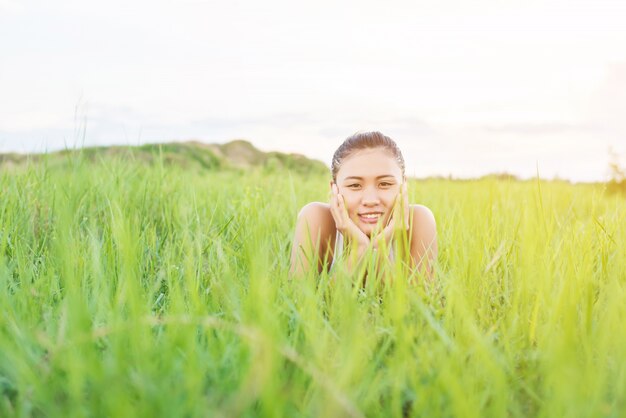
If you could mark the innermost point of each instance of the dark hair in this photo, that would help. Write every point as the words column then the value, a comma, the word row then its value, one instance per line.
column 365, row 140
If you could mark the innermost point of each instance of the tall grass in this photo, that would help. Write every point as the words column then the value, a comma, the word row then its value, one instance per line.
column 148, row 290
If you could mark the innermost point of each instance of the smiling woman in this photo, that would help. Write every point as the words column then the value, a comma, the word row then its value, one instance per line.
column 368, row 210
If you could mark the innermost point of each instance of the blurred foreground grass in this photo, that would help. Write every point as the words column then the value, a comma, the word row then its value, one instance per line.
column 142, row 290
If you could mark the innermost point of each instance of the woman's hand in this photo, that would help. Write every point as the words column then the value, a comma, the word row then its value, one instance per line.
column 399, row 220
column 344, row 224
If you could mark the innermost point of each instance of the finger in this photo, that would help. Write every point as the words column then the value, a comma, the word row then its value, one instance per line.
column 400, row 206
column 394, row 210
column 335, row 196
column 385, row 235
column 336, row 217
column 406, row 206
column 405, row 192
column 334, row 208
column 388, row 231
column 342, row 207
column 336, row 213
column 407, row 212
column 390, row 215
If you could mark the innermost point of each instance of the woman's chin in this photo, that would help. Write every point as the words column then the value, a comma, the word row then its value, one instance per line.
column 369, row 229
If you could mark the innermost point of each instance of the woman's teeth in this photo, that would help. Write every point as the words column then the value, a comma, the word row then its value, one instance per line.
column 370, row 218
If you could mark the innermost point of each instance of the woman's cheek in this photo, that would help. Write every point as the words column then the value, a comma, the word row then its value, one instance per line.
column 353, row 212
column 390, row 199
column 351, row 204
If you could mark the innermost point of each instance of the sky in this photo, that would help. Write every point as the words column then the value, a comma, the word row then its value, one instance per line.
column 465, row 88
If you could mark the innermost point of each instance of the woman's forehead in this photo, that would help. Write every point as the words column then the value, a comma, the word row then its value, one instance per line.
column 369, row 163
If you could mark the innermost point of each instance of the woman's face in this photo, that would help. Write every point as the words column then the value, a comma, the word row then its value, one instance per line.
column 369, row 181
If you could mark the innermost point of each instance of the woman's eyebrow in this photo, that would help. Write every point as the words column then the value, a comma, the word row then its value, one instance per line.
column 361, row 178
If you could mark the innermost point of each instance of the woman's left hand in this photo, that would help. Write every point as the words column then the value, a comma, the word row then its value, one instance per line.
column 399, row 220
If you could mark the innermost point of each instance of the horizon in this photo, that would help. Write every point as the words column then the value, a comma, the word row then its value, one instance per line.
column 197, row 142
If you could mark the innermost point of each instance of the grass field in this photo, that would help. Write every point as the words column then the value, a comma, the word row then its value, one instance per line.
column 132, row 289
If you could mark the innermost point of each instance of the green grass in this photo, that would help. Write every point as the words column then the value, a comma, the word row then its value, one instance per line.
column 132, row 289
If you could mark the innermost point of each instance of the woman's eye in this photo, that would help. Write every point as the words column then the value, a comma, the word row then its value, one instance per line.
column 354, row 186
column 385, row 184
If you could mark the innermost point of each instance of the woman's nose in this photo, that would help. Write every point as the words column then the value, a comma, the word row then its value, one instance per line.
column 370, row 197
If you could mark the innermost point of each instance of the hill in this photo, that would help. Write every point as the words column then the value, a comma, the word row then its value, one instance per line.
column 237, row 154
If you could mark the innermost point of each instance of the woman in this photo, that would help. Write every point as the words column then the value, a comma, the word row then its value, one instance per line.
column 368, row 211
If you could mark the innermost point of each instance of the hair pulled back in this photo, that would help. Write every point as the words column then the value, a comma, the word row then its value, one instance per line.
column 365, row 140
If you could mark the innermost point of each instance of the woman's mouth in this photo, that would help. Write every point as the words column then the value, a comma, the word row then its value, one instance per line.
column 370, row 218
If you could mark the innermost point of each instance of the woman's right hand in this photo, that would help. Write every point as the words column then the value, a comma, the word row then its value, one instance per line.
column 344, row 224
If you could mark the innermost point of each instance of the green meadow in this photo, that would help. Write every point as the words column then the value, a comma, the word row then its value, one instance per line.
column 133, row 288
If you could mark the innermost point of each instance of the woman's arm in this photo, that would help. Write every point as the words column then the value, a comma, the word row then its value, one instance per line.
column 312, row 238
column 423, row 234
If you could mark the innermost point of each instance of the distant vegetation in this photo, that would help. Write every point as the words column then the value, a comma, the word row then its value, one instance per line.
column 236, row 154
column 617, row 174
column 242, row 155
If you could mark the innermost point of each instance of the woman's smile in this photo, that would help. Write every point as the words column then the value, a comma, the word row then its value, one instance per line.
column 370, row 217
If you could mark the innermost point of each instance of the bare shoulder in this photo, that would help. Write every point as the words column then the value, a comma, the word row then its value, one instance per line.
column 315, row 211
column 422, row 215
column 424, row 225
column 315, row 208
column 317, row 214
column 424, row 247
column 314, row 234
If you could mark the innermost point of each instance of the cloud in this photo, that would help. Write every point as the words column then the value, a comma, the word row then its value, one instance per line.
column 546, row 128
column 607, row 103
column 11, row 7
